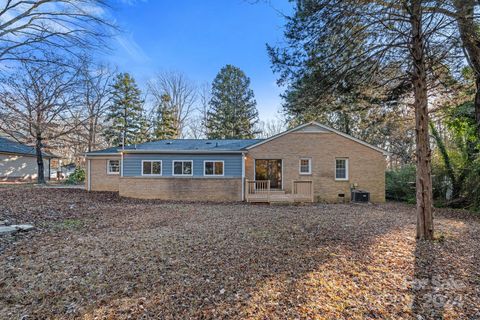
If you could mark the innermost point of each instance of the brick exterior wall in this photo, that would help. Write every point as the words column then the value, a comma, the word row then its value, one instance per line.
column 188, row 189
column 366, row 165
column 101, row 181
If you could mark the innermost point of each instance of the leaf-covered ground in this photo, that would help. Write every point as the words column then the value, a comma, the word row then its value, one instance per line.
column 97, row 256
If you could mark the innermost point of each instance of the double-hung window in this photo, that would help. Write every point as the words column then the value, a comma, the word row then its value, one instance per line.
column 182, row 167
column 213, row 168
column 341, row 169
column 113, row 166
column 305, row 166
column 151, row 167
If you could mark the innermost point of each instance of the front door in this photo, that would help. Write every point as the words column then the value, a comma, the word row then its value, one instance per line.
column 266, row 169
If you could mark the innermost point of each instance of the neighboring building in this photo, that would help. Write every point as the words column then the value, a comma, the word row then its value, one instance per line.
column 309, row 162
column 19, row 161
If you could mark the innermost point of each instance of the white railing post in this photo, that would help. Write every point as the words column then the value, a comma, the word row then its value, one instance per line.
column 268, row 190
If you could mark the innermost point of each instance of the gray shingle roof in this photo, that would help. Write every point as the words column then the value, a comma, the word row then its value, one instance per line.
column 185, row 145
column 10, row 146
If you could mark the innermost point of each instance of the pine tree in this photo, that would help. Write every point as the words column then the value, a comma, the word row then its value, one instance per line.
column 125, row 113
column 233, row 112
column 165, row 127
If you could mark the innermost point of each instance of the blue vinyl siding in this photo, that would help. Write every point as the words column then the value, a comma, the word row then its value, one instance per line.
column 132, row 163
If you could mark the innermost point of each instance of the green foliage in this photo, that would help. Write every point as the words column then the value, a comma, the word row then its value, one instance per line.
column 166, row 121
column 125, row 115
column 456, row 161
column 400, row 184
column 233, row 112
column 77, row 176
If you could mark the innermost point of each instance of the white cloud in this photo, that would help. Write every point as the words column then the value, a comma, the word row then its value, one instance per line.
column 131, row 47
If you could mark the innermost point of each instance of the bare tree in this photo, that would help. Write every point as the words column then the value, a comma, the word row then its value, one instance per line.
column 95, row 83
column 30, row 28
column 38, row 104
column 271, row 127
column 182, row 93
column 197, row 128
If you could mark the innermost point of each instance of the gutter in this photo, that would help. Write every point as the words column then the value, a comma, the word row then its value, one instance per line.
column 183, row 151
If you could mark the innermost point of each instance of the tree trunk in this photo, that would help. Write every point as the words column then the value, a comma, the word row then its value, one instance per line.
column 40, row 166
column 471, row 43
column 419, row 81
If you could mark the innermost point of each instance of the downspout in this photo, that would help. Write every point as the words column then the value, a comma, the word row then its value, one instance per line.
column 243, row 176
column 121, row 164
column 89, row 184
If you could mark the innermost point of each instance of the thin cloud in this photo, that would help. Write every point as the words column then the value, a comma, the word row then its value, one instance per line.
column 131, row 47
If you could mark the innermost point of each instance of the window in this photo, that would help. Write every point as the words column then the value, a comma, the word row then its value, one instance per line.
column 213, row 168
column 182, row 167
column 151, row 167
column 305, row 166
column 341, row 169
column 113, row 166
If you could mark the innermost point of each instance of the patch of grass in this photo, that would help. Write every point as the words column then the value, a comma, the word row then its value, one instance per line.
column 69, row 224
column 440, row 237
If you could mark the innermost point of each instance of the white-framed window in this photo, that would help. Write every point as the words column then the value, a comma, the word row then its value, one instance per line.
column 213, row 168
column 151, row 167
column 341, row 169
column 305, row 166
column 182, row 167
column 113, row 166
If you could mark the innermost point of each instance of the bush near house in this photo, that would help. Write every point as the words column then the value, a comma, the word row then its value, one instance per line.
column 400, row 184
column 77, row 176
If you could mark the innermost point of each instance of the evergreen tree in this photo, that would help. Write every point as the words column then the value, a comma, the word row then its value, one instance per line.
column 166, row 120
column 126, row 113
column 233, row 112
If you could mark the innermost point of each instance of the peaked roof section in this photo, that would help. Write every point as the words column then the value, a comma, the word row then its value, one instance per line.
column 324, row 128
column 14, row 147
column 183, row 146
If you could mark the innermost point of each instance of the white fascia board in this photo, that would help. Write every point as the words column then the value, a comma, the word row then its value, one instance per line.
column 385, row 153
column 182, row 151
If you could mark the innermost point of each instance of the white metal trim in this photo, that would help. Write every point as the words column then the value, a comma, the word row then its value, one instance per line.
column 244, row 158
column 89, row 168
column 121, row 164
column 386, row 153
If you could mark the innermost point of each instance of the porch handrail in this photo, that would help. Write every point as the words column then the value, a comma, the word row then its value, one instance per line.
column 259, row 188
column 302, row 189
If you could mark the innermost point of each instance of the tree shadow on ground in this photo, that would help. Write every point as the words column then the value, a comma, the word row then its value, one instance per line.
column 169, row 260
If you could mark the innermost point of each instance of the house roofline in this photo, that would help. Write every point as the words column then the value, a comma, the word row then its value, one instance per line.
column 51, row 156
column 163, row 152
column 384, row 152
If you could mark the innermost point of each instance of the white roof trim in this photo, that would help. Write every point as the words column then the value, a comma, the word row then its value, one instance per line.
column 386, row 153
column 164, row 152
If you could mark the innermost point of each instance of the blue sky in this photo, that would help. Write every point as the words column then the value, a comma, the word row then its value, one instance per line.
column 198, row 38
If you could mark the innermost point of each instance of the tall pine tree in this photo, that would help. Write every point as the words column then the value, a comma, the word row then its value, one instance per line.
column 233, row 113
column 127, row 122
column 166, row 120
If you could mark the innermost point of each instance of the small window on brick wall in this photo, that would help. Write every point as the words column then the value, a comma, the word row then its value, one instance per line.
column 341, row 169
column 113, row 166
column 305, row 166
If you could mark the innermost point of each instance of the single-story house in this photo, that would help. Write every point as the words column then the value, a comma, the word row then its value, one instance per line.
column 311, row 160
column 19, row 161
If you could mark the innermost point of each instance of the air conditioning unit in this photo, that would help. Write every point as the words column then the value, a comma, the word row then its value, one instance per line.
column 360, row 196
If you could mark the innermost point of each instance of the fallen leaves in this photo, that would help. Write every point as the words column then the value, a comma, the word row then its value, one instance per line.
column 98, row 256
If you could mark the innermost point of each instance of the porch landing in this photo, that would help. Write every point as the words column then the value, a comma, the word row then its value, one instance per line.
column 260, row 191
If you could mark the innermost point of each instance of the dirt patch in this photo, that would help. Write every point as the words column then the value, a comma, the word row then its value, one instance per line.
column 96, row 256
